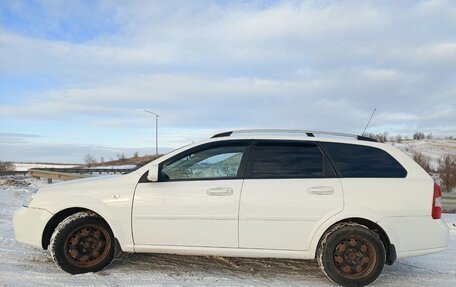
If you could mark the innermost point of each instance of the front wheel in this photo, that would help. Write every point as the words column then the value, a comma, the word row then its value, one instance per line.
column 351, row 255
column 81, row 243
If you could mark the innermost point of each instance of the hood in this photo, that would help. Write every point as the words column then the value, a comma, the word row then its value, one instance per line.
column 85, row 192
column 70, row 184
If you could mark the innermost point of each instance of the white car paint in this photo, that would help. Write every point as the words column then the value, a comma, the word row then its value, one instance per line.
column 260, row 218
column 280, row 214
column 187, row 213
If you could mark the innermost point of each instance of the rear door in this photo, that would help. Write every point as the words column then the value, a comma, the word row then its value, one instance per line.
column 289, row 188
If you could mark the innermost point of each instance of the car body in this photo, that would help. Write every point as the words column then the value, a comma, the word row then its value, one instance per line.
column 247, row 194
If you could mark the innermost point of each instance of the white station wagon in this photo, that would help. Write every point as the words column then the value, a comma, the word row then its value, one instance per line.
column 349, row 202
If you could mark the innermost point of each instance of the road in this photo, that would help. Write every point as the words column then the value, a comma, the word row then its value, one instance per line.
column 449, row 202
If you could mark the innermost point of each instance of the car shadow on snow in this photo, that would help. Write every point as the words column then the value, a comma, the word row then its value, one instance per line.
column 208, row 270
column 266, row 271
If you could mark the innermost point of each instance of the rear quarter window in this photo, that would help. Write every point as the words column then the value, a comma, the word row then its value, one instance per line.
column 363, row 161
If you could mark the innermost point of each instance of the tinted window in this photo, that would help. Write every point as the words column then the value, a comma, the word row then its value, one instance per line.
column 215, row 162
column 363, row 161
column 287, row 160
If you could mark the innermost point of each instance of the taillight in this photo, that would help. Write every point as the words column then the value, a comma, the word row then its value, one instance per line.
column 437, row 202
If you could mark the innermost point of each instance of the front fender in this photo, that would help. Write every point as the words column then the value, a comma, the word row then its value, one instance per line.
column 110, row 197
column 119, row 226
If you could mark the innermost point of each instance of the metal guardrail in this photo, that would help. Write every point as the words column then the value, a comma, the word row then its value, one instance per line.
column 50, row 175
column 86, row 170
column 69, row 170
column 14, row 172
column 64, row 173
column 70, row 173
column 449, row 195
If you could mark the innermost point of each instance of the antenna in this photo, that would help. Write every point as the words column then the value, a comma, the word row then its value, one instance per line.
column 368, row 122
column 187, row 138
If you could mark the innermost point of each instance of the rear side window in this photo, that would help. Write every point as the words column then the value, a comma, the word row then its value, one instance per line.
column 288, row 160
column 363, row 161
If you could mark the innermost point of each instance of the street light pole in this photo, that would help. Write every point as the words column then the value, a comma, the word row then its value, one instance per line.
column 156, row 130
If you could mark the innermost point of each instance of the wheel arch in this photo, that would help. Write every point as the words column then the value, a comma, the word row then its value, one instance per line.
column 371, row 225
column 59, row 217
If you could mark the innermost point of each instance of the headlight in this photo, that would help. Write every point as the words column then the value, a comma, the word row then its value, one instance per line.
column 29, row 198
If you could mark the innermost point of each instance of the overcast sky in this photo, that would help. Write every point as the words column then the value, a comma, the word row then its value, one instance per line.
column 75, row 76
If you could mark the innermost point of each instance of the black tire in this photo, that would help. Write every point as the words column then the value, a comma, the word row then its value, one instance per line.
column 81, row 243
column 351, row 255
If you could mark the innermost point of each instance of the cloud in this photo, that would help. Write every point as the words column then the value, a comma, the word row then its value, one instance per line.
column 185, row 101
column 382, row 75
column 440, row 53
column 65, row 153
column 209, row 66
column 15, row 138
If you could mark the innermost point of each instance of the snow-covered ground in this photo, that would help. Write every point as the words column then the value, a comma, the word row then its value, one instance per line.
column 434, row 149
column 20, row 166
column 126, row 166
column 24, row 266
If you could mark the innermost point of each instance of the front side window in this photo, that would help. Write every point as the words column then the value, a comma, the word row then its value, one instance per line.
column 363, row 161
column 211, row 163
column 288, row 160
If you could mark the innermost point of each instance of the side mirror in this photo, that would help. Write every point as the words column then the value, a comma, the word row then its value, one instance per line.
column 153, row 173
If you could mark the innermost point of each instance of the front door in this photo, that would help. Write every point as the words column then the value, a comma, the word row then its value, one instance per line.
column 196, row 200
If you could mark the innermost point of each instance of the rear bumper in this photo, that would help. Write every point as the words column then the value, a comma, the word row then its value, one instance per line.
column 413, row 236
column 29, row 224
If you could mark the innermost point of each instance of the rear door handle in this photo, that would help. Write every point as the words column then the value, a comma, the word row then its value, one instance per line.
column 321, row 190
column 220, row 191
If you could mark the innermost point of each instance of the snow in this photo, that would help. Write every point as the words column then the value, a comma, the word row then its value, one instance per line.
column 20, row 166
column 434, row 149
column 25, row 266
column 127, row 166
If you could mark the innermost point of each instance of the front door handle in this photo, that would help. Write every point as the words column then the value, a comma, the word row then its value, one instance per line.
column 321, row 190
column 220, row 191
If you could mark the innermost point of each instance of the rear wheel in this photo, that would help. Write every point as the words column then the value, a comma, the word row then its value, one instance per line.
column 351, row 255
column 81, row 243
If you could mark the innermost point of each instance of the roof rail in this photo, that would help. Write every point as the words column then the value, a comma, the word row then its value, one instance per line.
column 307, row 133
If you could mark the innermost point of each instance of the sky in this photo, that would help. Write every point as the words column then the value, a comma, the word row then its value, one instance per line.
column 76, row 76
